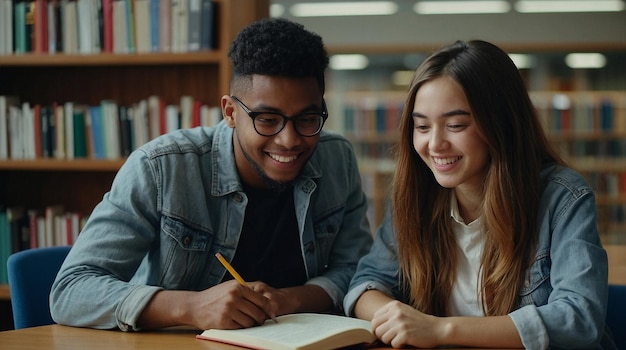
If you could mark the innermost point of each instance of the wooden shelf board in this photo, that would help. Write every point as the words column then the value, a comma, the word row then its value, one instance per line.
column 62, row 165
column 594, row 135
column 5, row 294
column 109, row 59
column 590, row 164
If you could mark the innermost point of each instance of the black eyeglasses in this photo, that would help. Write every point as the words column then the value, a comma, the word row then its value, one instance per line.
column 271, row 123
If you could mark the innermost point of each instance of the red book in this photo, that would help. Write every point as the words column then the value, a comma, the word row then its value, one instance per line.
column 107, row 25
column 195, row 114
column 37, row 131
column 32, row 225
column 40, row 34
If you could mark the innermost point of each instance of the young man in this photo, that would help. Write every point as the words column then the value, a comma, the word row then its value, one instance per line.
column 278, row 198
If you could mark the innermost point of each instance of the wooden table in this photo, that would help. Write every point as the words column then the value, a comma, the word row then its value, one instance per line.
column 69, row 338
column 64, row 337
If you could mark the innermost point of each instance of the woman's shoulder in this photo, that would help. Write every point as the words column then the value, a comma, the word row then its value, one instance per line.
column 557, row 175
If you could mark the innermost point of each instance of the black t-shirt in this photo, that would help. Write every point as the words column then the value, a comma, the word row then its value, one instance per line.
column 269, row 247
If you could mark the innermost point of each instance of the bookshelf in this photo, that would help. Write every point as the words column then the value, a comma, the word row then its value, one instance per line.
column 369, row 120
column 79, row 184
column 589, row 129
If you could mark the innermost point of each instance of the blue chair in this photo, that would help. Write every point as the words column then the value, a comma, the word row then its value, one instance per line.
column 31, row 274
column 616, row 314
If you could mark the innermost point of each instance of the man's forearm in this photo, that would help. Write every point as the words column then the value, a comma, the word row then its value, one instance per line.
column 166, row 309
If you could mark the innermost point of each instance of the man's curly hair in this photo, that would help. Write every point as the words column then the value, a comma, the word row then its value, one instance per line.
column 279, row 47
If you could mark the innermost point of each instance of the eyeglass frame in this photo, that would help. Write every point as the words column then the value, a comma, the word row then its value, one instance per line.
column 253, row 114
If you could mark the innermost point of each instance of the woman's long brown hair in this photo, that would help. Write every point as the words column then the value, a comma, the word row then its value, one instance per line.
column 518, row 149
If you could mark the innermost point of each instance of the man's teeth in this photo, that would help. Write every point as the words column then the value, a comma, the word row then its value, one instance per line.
column 283, row 159
column 445, row 161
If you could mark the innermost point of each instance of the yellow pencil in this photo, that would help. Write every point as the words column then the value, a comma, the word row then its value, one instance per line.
column 231, row 269
column 236, row 275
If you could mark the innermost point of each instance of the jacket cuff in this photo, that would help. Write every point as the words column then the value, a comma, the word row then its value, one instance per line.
column 530, row 327
column 129, row 309
column 355, row 292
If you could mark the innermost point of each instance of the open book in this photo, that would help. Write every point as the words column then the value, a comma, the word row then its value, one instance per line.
column 302, row 331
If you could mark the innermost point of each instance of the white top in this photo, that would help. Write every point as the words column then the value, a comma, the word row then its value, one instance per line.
column 470, row 239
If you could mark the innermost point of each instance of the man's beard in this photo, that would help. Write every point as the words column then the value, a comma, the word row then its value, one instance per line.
column 268, row 181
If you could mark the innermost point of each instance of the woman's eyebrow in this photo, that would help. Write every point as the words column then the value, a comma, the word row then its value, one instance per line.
column 447, row 114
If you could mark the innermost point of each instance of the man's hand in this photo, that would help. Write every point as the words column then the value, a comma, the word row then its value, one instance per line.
column 228, row 305
column 305, row 298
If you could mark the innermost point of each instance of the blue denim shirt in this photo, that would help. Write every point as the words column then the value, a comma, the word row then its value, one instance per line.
column 562, row 303
column 176, row 202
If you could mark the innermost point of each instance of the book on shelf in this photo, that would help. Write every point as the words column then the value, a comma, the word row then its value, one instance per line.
column 583, row 112
column 130, row 26
column 141, row 125
column 155, row 116
column 155, row 25
column 371, row 117
column 142, row 18
column 5, row 245
column 172, row 118
column 165, row 25
column 107, row 26
column 186, row 111
column 6, row 27
column 194, row 24
column 88, row 26
column 6, row 102
column 207, row 24
column 118, row 26
column 73, row 130
column 69, row 26
column 180, row 25
column 40, row 26
column 126, row 134
column 19, row 232
column 22, row 228
column 303, row 331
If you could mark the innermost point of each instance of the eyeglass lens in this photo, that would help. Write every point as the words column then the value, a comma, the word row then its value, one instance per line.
column 272, row 123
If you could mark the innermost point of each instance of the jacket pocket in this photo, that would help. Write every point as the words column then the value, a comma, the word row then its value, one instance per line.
column 537, row 288
column 183, row 253
column 326, row 229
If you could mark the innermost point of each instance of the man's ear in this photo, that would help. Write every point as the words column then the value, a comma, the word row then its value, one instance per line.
column 228, row 109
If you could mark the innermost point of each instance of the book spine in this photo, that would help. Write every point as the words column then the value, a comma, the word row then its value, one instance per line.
column 194, row 28
column 207, row 23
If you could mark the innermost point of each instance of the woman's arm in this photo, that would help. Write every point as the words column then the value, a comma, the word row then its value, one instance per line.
column 398, row 325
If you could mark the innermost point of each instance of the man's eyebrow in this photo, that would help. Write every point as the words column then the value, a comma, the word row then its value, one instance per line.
column 266, row 108
column 447, row 114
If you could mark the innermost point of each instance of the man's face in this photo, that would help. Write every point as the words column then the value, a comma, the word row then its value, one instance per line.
column 272, row 161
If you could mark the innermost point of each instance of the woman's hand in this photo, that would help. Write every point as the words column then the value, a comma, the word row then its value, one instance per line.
column 398, row 325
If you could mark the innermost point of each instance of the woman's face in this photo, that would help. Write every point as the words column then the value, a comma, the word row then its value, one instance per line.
column 445, row 135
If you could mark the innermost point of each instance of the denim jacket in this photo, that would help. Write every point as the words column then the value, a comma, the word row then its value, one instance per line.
column 562, row 303
column 176, row 202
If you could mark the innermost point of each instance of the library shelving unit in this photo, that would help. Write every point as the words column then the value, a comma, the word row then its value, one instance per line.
column 79, row 184
column 369, row 120
column 588, row 127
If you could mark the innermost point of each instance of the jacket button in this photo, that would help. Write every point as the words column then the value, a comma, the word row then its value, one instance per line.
column 186, row 240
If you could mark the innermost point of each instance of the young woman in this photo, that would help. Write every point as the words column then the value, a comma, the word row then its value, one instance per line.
column 491, row 241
